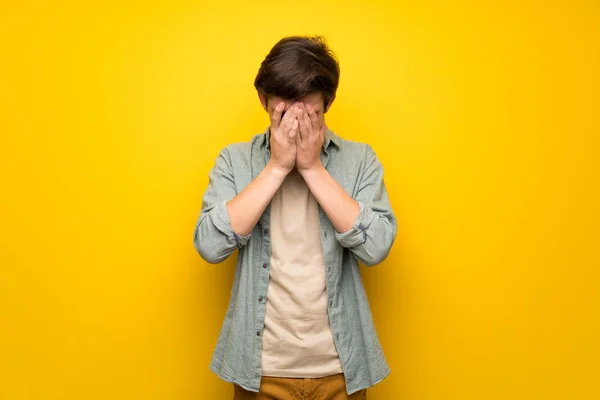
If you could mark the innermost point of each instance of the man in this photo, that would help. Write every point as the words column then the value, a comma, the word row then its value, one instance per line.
column 301, row 205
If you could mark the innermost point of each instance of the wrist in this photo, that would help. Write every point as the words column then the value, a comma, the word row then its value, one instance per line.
column 313, row 169
column 276, row 170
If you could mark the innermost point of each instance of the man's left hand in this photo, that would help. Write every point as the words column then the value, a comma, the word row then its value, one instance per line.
column 309, row 141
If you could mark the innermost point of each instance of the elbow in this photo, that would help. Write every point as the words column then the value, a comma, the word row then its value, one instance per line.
column 375, row 258
column 208, row 251
column 378, row 253
column 210, row 256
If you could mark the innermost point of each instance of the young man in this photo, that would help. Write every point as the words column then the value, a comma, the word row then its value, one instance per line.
column 302, row 206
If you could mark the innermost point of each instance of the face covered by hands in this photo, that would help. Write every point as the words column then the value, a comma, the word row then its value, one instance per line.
column 298, row 130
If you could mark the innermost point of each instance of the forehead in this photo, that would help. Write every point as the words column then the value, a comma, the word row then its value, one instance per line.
column 314, row 99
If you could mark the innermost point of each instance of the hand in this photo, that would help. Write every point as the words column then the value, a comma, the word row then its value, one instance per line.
column 283, row 137
column 310, row 139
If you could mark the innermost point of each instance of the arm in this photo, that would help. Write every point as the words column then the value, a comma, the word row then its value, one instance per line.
column 246, row 208
column 340, row 208
column 366, row 221
column 367, row 224
column 227, row 218
column 214, row 238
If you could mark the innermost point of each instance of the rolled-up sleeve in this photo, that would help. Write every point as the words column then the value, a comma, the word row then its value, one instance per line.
column 214, row 238
column 374, row 230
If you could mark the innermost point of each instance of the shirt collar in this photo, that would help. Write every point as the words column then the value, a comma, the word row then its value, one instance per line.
column 330, row 137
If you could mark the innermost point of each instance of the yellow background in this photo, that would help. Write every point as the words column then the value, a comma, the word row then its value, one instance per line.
column 484, row 114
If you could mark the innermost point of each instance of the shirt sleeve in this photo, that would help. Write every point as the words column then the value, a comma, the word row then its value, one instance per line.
column 214, row 238
column 374, row 230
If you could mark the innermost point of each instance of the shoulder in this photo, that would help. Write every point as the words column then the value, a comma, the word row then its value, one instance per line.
column 241, row 152
column 354, row 147
column 353, row 151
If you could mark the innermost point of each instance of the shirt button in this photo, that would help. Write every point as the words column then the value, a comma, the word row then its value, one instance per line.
column 328, row 269
column 260, row 299
column 266, row 231
column 330, row 303
column 258, row 333
column 265, row 265
column 337, row 337
column 325, row 235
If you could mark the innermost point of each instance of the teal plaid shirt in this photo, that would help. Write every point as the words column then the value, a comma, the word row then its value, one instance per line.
column 237, row 355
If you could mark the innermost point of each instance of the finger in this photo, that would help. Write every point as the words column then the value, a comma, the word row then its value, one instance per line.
column 294, row 129
column 302, row 126
column 285, row 119
column 313, row 117
column 276, row 118
column 310, row 130
column 288, row 118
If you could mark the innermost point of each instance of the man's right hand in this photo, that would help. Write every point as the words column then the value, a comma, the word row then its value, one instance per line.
column 283, row 137
column 246, row 208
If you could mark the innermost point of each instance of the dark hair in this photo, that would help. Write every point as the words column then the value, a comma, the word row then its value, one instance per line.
column 297, row 66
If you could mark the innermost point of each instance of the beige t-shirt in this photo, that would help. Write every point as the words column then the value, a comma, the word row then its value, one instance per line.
column 297, row 339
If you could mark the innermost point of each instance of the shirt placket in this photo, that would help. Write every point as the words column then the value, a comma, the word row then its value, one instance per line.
column 329, row 257
column 265, row 268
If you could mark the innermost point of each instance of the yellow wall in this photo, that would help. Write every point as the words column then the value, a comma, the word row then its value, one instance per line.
column 486, row 117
